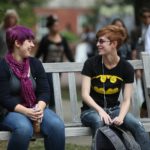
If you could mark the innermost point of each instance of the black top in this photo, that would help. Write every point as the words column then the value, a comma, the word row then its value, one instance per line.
column 110, row 80
column 8, row 99
column 52, row 51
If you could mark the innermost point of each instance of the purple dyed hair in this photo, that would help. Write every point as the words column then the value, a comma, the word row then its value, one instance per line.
column 19, row 33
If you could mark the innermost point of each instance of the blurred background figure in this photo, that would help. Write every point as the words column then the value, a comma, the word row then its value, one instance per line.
column 138, row 35
column 147, row 38
column 125, row 50
column 86, row 47
column 52, row 48
column 10, row 19
column 82, row 49
column 137, row 41
column 53, row 45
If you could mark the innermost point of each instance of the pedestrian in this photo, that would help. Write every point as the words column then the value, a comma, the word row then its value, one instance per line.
column 11, row 19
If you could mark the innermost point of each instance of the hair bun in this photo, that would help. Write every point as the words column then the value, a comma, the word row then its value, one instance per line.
column 51, row 19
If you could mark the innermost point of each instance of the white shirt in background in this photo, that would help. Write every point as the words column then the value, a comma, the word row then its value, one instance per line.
column 147, row 40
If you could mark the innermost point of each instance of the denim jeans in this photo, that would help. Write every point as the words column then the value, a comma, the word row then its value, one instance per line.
column 92, row 119
column 52, row 129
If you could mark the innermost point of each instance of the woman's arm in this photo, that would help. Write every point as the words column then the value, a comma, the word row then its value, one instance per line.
column 125, row 104
column 41, row 47
column 67, row 50
column 42, row 86
column 86, row 85
column 32, row 113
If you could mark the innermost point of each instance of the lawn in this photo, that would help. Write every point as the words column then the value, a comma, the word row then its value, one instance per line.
column 38, row 145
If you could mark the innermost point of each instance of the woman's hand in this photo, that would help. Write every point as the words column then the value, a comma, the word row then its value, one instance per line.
column 117, row 121
column 39, row 112
column 105, row 117
column 35, row 113
column 31, row 113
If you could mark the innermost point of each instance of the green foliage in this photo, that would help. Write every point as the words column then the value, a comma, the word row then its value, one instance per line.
column 70, row 36
column 20, row 2
column 25, row 12
column 27, row 16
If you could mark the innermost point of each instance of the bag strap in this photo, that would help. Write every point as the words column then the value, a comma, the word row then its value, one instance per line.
column 113, row 137
column 128, row 138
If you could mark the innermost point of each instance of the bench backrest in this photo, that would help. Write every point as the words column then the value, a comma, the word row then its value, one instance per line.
column 72, row 68
column 146, row 78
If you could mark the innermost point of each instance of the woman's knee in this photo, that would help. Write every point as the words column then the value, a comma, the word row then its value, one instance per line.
column 91, row 118
column 24, row 129
column 57, row 124
column 133, row 123
column 52, row 124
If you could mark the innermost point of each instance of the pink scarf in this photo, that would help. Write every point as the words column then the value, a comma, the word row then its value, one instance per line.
column 21, row 70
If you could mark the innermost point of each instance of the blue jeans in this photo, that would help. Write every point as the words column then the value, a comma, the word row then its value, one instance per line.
column 52, row 129
column 92, row 119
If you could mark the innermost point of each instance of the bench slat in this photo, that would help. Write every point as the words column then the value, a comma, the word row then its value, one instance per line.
column 73, row 131
column 137, row 64
column 146, row 78
column 57, row 95
column 4, row 135
column 63, row 67
column 77, row 131
column 73, row 97
column 146, row 64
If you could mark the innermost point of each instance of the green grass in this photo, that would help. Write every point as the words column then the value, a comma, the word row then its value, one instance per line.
column 38, row 145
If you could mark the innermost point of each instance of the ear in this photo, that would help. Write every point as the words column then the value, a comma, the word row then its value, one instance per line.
column 114, row 44
column 17, row 43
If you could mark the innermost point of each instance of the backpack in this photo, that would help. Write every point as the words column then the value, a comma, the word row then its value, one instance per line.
column 114, row 138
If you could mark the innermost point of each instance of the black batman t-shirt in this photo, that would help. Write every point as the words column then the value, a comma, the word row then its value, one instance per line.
column 108, row 81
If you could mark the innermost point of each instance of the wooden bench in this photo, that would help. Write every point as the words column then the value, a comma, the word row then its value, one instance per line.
column 74, row 126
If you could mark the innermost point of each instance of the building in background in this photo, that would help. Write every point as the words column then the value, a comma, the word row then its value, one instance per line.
column 73, row 14
column 69, row 17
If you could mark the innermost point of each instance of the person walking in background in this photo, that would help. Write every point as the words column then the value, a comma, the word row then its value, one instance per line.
column 103, row 78
column 138, row 41
column 82, row 49
column 25, row 93
column 138, row 35
column 125, row 52
column 53, row 45
column 86, row 47
column 125, row 49
column 147, row 39
column 11, row 19
column 52, row 48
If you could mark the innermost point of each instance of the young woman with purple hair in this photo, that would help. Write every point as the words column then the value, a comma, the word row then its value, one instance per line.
column 24, row 85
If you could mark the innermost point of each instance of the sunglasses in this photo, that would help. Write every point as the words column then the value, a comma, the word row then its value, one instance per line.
column 101, row 41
